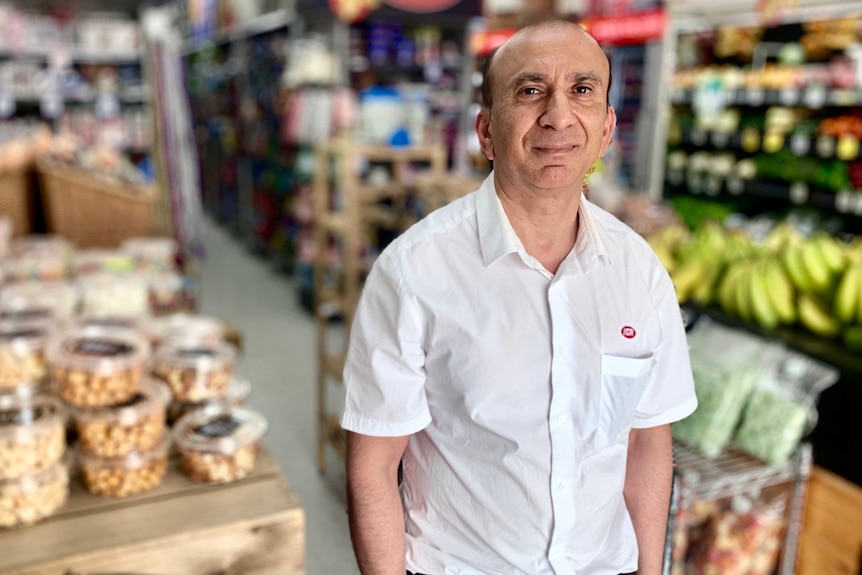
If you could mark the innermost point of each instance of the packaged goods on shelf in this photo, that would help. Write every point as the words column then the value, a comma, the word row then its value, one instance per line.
column 22, row 353
column 185, row 327
column 119, row 477
column 236, row 396
column 152, row 253
column 32, row 435
column 219, row 444
column 33, row 257
column 60, row 298
column 31, row 498
column 115, row 295
column 195, row 370
column 166, row 292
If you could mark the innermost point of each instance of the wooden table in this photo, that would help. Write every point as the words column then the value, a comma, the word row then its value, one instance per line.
column 251, row 527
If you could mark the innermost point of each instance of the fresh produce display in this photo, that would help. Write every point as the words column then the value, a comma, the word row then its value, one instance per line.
column 772, row 424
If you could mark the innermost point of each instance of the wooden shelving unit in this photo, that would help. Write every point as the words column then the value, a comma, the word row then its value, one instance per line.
column 347, row 212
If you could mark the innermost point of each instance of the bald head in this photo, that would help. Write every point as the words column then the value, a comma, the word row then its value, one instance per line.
column 519, row 36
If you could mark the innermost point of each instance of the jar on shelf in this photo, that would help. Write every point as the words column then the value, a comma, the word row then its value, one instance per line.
column 40, row 258
column 22, row 354
column 114, row 295
column 29, row 499
column 236, row 396
column 152, row 253
column 219, row 444
column 166, row 292
column 185, row 327
column 95, row 366
column 195, row 370
column 32, row 435
column 119, row 477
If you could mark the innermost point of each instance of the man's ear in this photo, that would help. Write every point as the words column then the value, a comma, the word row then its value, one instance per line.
column 608, row 129
column 483, row 131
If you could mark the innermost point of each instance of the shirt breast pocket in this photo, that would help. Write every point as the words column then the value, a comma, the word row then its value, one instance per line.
column 623, row 382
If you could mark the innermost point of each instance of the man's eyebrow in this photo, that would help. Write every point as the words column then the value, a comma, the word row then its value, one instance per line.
column 527, row 78
column 575, row 78
column 579, row 77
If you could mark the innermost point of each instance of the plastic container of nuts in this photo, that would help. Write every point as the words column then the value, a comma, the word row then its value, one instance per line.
column 32, row 435
column 236, row 396
column 137, row 472
column 120, row 295
column 195, row 370
column 22, row 357
column 135, row 425
column 97, row 366
column 61, row 298
column 152, row 253
column 31, row 498
column 219, row 444
column 185, row 327
column 166, row 292
column 38, row 258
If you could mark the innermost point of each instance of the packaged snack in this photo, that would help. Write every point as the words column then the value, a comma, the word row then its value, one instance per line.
column 137, row 472
column 96, row 366
column 194, row 370
column 32, row 435
column 115, row 295
column 22, row 354
column 152, row 253
column 219, row 444
column 236, row 396
column 134, row 425
column 181, row 326
column 99, row 261
column 40, row 258
column 30, row 498
column 58, row 299
column 166, row 292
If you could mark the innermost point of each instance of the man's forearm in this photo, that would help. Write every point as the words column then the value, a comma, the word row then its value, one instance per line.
column 374, row 506
column 649, row 474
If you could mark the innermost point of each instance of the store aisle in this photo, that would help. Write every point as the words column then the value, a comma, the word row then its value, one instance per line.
column 279, row 341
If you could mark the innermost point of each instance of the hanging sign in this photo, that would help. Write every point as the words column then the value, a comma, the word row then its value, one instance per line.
column 627, row 29
column 422, row 6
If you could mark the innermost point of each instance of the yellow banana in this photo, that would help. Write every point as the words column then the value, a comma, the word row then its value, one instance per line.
column 815, row 316
column 743, row 294
column 795, row 268
column 728, row 286
column 780, row 292
column 832, row 253
column 815, row 266
column 762, row 310
column 848, row 299
column 686, row 277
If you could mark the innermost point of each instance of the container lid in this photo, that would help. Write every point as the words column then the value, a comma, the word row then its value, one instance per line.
column 195, row 353
column 20, row 310
column 22, row 337
column 134, row 460
column 25, row 390
column 110, row 322
column 19, row 416
column 238, row 390
column 149, row 398
column 97, row 349
column 181, row 325
column 219, row 428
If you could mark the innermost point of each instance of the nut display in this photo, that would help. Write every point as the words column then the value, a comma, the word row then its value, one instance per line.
column 22, row 358
column 28, row 499
column 194, row 370
column 185, row 327
column 237, row 393
column 97, row 366
column 97, row 260
column 219, row 444
column 32, row 435
column 118, row 295
column 119, row 477
column 38, row 258
column 166, row 292
column 59, row 298
column 152, row 253
column 136, row 425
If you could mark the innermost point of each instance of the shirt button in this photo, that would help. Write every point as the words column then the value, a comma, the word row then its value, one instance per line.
column 563, row 485
column 562, row 351
column 561, row 418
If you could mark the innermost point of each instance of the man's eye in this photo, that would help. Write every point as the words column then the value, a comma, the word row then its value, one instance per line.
column 583, row 89
column 530, row 91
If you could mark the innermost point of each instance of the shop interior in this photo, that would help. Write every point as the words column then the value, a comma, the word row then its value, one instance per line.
column 192, row 193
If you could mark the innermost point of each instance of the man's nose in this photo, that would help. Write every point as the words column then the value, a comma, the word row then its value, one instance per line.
column 558, row 113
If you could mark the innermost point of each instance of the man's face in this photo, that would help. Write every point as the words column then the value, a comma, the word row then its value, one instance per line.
column 550, row 119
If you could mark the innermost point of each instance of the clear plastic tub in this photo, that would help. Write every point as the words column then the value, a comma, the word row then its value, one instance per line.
column 42, row 258
column 152, row 253
column 119, row 477
column 194, row 370
column 97, row 261
column 219, row 444
column 97, row 366
column 32, row 435
column 61, row 298
column 135, row 425
column 22, row 353
column 31, row 498
column 166, row 292
column 236, row 396
column 185, row 327
column 117, row 295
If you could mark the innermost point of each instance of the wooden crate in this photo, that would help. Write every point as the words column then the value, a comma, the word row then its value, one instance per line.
column 252, row 527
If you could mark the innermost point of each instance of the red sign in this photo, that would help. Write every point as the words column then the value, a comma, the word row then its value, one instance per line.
column 486, row 41
column 634, row 28
column 422, row 6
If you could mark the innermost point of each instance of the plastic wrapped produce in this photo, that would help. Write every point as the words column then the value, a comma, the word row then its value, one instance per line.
column 772, row 424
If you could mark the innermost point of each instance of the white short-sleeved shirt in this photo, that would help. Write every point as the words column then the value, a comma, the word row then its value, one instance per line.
column 518, row 387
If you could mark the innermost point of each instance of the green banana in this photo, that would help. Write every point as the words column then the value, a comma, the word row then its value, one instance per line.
column 780, row 292
column 833, row 254
column 727, row 288
column 743, row 294
column 704, row 293
column 792, row 260
column 762, row 310
column 816, row 267
column 848, row 299
column 686, row 278
column 815, row 316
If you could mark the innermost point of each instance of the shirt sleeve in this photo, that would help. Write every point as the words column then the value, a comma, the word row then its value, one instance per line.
column 384, row 374
column 669, row 395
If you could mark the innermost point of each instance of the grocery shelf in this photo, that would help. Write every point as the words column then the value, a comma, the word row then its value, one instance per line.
column 812, row 97
column 823, row 147
column 263, row 24
column 79, row 55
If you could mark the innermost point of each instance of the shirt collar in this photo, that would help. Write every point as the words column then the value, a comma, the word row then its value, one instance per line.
column 497, row 237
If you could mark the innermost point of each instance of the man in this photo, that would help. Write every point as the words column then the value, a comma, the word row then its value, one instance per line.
column 520, row 352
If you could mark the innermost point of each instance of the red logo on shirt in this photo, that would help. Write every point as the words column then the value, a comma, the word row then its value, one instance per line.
column 628, row 332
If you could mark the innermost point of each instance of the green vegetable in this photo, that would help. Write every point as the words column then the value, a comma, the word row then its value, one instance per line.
column 772, row 425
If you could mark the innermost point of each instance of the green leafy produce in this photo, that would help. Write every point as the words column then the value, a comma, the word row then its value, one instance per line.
column 772, row 425
column 694, row 211
column 721, row 397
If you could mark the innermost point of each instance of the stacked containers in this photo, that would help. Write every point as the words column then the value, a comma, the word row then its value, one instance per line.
column 38, row 258
column 119, row 416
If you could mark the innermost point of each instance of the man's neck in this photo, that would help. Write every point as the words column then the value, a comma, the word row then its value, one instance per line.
column 547, row 224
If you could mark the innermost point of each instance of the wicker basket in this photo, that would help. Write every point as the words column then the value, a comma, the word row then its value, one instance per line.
column 16, row 199
column 91, row 210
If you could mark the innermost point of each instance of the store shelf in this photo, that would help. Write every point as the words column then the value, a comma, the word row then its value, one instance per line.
column 823, row 147
column 270, row 22
column 78, row 55
column 812, row 97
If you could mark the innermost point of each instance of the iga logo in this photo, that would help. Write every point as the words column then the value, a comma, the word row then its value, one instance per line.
column 628, row 332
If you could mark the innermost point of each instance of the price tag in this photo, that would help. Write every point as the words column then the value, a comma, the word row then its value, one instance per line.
column 750, row 140
column 720, row 139
column 735, row 185
column 51, row 105
column 755, row 96
column 825, row 146
column 798, row 192
column 800, row 144
column 694, row 182
column 843, row 202
column 698, row 137
column 7, row 104
column 814, row 96
column 847, row 148
column 712, row 185
column 789, row 96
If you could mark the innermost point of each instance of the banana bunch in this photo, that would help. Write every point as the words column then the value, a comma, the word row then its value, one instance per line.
column 848, row 301
column 699, row 264
column 758, row 290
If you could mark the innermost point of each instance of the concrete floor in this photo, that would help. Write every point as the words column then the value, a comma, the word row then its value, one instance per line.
column 280, row 353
